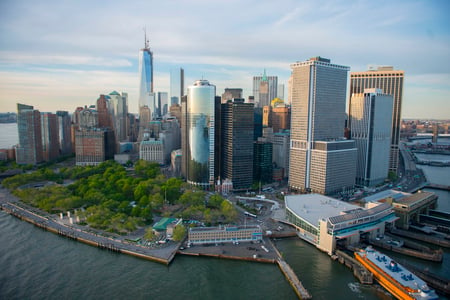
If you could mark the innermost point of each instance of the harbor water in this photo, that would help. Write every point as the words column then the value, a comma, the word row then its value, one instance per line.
column 36, row 264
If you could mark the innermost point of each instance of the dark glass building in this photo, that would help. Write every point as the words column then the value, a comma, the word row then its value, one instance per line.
column 237, row 143
column 262, row 162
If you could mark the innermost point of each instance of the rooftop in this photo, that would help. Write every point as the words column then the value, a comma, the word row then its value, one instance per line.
column 396, row 195
column 314, row 207
column 417, row 197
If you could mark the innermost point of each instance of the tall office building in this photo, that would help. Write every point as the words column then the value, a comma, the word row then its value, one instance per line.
column 29, row 150
column 370, row 116
column 176, row 85
column 104, row 112
column 321, row 160
column 199, row 144
column 119, row 108
column 231, row 93
column 50, row 136
column 64, row 132
column 262, row 160
column 237, row 143
column 264, row 89
column 391, row 82
column 163, row 104
column 280, row 91
column 145, row 74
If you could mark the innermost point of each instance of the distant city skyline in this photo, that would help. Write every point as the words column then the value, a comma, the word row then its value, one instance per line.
column 58, row 56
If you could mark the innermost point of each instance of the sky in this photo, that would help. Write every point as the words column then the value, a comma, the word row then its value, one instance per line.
column 58, row 55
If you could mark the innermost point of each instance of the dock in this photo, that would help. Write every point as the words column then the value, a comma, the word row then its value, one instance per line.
column 432, row 239
column 101, row 242
column 359, row 271
column 301, row 292
column 407, row 247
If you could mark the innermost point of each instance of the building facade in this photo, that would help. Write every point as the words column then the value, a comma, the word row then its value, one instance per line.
column 264, row 89
column 199, row 134
column 65, row 138
column 93, row 146
column 320, row 159
column 280, row 153
column 370, row 128
column 29, row 150
column 391, row 82
column 231, row 93
column 262, row 161
column 176, row 85
column 50, row 136
column 237, row 143
column 163, row 103
column 152, row 150
column 225, row 234
column 325, row 222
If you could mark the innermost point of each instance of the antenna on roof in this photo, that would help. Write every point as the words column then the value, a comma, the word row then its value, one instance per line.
column 145, row 38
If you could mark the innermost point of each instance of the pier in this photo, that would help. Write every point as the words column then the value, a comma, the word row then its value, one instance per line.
column 432, row 239
column 301, row 292
column 359, row 271
column 408, row 248
column 101, row 242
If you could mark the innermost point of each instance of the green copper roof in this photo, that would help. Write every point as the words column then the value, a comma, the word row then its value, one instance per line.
column 114, row 93
column 264, row 78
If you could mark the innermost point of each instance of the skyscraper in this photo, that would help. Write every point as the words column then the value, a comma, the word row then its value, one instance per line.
column 320, row 159
column 163, row 104
column 231, row 93
column 199, row 134
column 262, row 160
column 119, row 105
column 391, row 82
column 50, row 136
column 29, row 150
column 370, row 116
column 145, row 74
column 65, row 138
column 237, row 143
column 264, row 89
column 176, row 85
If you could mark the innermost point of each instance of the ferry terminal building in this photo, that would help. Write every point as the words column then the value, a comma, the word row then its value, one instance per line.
column 324, row 221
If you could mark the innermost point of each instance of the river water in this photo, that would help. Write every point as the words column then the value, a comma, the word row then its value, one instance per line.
column 36, row 264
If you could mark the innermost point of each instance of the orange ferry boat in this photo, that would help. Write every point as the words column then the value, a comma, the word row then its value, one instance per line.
column 394, row 277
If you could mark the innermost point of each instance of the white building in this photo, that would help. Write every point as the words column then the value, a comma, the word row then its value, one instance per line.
column 324, row 221
column 370, row 127
column 152, row 150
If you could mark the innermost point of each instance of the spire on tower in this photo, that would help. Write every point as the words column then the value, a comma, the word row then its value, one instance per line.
column 146, row 45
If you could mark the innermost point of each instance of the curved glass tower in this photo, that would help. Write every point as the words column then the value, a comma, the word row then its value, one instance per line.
column 200, row 131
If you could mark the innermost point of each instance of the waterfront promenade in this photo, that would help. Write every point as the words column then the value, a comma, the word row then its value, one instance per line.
column 11, row 204
column 264, row 252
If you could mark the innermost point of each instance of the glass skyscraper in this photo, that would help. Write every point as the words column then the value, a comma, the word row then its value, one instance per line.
column 199, row 134
column 145, row 75
column 176, row 85
column 370, row 127
column 391, row 82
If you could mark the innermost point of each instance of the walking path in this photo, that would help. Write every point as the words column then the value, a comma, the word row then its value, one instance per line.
column 48, row 222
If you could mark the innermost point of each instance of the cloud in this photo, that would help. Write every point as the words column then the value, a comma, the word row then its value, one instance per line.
column 26, row 58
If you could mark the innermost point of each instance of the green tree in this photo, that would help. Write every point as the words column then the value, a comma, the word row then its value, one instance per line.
column 228, row 211
column 215, row 201
column 179, row 233
column 149, row 234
